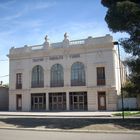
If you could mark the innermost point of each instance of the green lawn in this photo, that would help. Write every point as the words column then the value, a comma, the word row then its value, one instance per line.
column 127, row 113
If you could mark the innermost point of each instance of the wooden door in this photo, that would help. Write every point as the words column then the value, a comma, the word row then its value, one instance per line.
column 101, row 101
column 19, row 102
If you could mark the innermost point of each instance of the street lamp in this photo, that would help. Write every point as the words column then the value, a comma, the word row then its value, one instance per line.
column 117, row 43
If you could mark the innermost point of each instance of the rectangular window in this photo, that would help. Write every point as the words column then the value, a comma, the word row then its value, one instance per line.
column 19, row 81
column 100, row 76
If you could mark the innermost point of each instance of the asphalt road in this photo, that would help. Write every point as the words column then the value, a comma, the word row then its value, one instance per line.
column 44, row 135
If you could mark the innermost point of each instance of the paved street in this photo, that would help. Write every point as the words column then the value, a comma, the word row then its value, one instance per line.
column 44, row 135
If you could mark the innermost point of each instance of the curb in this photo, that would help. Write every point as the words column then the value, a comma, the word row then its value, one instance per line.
column 71, row 116
column 74, row 131
column 59, row 116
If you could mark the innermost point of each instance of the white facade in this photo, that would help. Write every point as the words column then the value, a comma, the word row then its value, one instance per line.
column 93, row 53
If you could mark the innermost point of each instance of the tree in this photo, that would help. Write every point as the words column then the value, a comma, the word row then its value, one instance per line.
column 6, row 85
column 124, row 16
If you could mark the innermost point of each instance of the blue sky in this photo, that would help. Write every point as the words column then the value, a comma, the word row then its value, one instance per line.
column 28, row 21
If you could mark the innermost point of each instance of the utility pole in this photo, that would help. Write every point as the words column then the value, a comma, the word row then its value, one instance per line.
column 118, row 45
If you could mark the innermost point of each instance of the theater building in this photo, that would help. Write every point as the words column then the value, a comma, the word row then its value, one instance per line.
column 77, row 75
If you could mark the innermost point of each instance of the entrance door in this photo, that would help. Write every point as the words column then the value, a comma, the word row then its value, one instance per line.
column 101, row 101
column 19, row 102
column 78, row 100
column 57, row 101
column 38, row 102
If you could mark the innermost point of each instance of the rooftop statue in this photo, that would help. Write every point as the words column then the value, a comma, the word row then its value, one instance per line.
column 66, row 40
column 46, row 38
column 65, row 36
column 46, row 43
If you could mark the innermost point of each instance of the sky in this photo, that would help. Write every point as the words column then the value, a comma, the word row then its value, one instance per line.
column 27, row 22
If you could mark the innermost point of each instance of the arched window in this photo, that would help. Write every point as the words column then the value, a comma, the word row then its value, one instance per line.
column 37, row 77
column 57, row 76
column 78, row 74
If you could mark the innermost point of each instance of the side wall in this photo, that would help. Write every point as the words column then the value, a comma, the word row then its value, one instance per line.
column 4, row 99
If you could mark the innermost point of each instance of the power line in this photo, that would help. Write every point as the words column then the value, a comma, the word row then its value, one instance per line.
column 4, row 60
column 4, row 76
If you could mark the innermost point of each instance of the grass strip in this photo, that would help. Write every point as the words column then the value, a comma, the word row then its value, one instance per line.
column 127, row 113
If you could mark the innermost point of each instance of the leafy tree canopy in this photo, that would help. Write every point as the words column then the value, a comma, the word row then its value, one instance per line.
column 124, row 16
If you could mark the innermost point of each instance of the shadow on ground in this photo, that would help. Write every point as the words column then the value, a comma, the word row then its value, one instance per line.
column 71, row 123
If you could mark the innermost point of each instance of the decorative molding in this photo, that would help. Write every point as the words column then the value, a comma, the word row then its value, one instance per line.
column 74, row 55
column 57, row 57
column 37, row 59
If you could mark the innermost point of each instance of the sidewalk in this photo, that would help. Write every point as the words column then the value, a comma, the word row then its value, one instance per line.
column 59, row 114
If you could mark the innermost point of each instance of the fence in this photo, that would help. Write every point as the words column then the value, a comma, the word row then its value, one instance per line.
column 129, row 103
